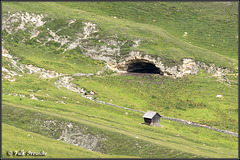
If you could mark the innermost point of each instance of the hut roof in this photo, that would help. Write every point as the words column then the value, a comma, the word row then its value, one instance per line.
column 150, row 114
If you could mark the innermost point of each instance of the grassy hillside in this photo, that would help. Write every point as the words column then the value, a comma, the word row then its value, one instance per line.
column 155, row 40
column 29, row 141
column 35, row 106
column 209, row 25
column 192, row 98
column 173, row 136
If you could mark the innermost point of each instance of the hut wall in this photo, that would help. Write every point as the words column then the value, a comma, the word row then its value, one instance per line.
column 156, row 120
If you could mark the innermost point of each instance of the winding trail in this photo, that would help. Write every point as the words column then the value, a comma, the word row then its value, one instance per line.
column 65, row 82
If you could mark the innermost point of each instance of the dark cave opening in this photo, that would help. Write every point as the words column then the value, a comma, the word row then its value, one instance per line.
column 143, row 67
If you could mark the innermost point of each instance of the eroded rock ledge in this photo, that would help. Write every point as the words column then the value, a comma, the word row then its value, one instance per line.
column 109, row 49
column 188, row 66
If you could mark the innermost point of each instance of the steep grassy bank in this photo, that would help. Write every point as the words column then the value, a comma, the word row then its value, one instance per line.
column 60, row 36
column 191, row 98
column 77, row 109
column 154, row 40
column 29, row 141
column 210, row 25
column 165, row 136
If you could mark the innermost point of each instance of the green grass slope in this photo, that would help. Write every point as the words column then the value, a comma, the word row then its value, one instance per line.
column 191, row 98
column 155, row 40
column 173, row 135
column 209, row 25
column 15, row 139
column 125, row 132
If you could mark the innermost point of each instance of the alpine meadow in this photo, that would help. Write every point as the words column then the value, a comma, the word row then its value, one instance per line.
column 120, row 79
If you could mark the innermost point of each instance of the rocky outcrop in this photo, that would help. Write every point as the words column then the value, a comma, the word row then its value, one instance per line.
column 71, row 133
column 16, row 69
column 65, row 82
column 108, row 49
column 188, row 66
column 76, row 137
column 219, row 72
column 22, row 21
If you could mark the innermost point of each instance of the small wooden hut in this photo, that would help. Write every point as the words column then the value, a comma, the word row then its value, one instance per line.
column 152, row 118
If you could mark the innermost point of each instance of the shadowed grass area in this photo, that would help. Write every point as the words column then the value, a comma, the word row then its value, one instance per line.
column 173, row 135
column 16, row 139
column 211, row 38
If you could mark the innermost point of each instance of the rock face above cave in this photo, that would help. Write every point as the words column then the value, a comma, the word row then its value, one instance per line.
column 188, row 66
column 108, row 49
column 153, row 65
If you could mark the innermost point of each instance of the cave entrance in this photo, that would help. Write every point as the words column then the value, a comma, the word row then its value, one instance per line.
column 143, row 67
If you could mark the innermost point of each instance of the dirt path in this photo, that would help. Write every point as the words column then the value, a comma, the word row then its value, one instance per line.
column 65, row 82
column 191, row 147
